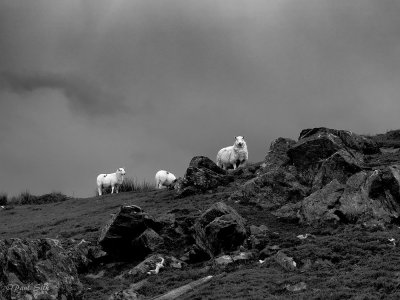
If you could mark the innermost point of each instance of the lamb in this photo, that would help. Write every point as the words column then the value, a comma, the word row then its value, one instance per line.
column 235, row 155
column 165, row 178
column 114, row 180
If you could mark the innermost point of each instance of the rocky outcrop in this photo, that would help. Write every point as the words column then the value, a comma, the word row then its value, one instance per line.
column 367, row 197
column 201, row 175
column 38, row 269
column 117, row 237
column 349, row 139
column 220, row 229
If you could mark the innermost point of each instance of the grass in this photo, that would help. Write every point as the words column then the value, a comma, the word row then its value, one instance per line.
column 26, row 198
column 131, row 185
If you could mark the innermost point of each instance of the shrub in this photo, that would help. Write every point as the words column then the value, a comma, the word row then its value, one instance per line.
column 3, row 199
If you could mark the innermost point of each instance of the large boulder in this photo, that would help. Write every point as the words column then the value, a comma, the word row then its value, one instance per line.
column 272, row 189
column 370, row 197
column 38, row 269
column 201, row 175
column 220, row 229
column 277, row 154
column 351, row 140
column 340, row 166
column 125, row 226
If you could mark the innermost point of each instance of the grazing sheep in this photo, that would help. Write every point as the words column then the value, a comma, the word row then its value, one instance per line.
column 165, row 178
column 235, row 155
column 114, row 180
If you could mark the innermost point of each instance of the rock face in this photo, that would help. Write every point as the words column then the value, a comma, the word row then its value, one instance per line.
column 38, row 269
column 367, row 196
column 117, row 237
column 219, row 229
column 350, row 140
column 201, row 175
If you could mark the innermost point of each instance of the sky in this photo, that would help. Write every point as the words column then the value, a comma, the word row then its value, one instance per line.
column 88, row 86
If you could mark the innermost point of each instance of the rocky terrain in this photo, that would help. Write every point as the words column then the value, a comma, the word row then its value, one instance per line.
column 318, row 218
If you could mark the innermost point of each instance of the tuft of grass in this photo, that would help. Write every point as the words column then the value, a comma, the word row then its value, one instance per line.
column 131, row 185
column 3, row 199
column 26, row 198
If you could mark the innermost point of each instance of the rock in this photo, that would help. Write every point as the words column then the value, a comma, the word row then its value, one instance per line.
column 141, row 270
column 125, row 226
column 223, row 260
column 258, row 230
column 277, row 154
column 201, row 175
column 285, row 261
column 149, row 241
column 195, row 254
column 368, row 197
column 296, row 287
column 272, row 189
column 220, row 229
column 351, row 140
column 38, row 268
column 320, row 206
column 340, row 166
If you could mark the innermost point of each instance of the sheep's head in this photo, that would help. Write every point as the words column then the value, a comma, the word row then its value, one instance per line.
column 121, row 171
column 239, row 141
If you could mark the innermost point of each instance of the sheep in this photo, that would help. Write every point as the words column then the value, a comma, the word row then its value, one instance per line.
column 165, row 178
column 114, row 180
column 235, row 155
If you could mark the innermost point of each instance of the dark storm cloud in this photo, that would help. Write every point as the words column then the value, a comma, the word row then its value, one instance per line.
column 83, row 96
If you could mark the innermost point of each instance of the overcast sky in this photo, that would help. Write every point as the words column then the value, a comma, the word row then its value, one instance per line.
column 87, row 86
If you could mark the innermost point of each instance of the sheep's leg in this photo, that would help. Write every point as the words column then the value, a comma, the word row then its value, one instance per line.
column 99, row 190
column 112, row 189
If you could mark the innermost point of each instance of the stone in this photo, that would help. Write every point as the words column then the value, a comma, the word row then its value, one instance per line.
column 220, row 229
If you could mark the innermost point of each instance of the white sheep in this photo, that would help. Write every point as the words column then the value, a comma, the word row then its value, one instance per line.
column 165, row 178
column 235, row 155
column 114, row 180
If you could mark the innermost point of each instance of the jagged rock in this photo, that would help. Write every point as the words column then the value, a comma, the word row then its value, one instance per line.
column 194, row 255
column 32, row 269
column 308, row 153
column 340, row 166
column 125, row 226
column 127, row 294
column 148, row 241
column 220, row 228
column 141, row 270
column 272, row 189
column 201, row 175
column 367, row 197
column 320, row 206
column 351, row 140
column 277, row 154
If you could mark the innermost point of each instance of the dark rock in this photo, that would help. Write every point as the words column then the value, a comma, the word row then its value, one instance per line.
column 149, row 241
column 320, row 207
column 368, row 197
column 204, row 162
column 195, row 254
column 142, row 270
column 220, row 228
column 31, row 269
column 125, row 226
column 272, row 189
column 277, row 154
column 258, row 230
column 201, row 175
column 351, row 140
column 308, row 153
column 340, row 166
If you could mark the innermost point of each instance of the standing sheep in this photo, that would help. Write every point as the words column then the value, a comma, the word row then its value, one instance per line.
column 235, row 155
column 114, row 180
column 165, row 178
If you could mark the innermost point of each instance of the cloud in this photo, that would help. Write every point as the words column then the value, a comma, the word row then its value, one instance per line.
column 83, row 96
